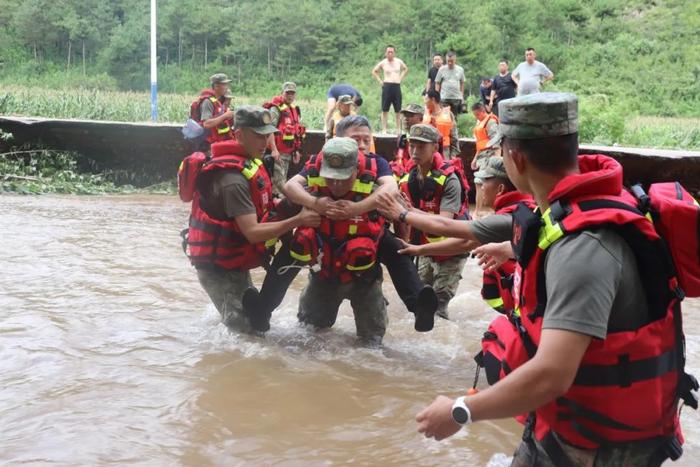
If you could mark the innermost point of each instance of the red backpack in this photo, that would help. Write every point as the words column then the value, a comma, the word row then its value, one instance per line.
column 676, row 216
column 187, row 175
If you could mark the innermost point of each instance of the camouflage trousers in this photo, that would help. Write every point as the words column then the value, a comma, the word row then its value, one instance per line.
column 443, row 276
column 225, row 288
column 636, row 454
column 482, row 160
column 321, row 299
column 279, row 177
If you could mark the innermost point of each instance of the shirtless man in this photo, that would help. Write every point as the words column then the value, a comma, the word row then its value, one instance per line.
column 394, row 70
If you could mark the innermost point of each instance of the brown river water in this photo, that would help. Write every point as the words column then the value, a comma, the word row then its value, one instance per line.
column 111, row 353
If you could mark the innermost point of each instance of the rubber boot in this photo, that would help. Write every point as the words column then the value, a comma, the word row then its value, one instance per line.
column 426, row 306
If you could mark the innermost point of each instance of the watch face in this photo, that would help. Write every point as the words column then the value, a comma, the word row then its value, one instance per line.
column 460, row 415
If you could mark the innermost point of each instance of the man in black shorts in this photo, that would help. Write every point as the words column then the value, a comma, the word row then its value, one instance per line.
column 394, row 70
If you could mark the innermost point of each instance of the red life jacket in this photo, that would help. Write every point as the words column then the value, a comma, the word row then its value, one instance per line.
column 628, row 385
column 428, row 197
column 497, row 285
column 218, row 133
column 345, row 249
column 291, row 132
column 219, row 242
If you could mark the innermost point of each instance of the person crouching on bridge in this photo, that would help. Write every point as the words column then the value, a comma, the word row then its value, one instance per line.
column 436, row 186
column 230, row 232
column 343, row 253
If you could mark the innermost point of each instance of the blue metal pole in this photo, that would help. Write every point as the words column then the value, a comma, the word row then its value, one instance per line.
column 154, row 65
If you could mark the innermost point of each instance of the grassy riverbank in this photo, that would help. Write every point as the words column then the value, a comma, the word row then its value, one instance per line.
column 601, row 122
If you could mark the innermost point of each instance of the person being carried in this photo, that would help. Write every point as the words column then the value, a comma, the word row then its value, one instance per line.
column 419, row 298
column 343, row 253
column 435, row 186
column 286, row 144
column 230, row 230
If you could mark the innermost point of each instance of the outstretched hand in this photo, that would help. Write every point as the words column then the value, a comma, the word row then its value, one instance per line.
column 435, row 421
column 408, row 249
column 390, row 205
column 492, row 255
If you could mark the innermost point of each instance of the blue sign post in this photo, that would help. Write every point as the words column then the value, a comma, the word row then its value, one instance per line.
column 154, row 65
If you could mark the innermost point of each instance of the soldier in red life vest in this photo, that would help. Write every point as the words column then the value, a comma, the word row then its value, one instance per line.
column 286, row 144
column 596, row 293
column 411, row 115
column 230, row 232
column 343, row 251
column 435, row 186
column 210, row 111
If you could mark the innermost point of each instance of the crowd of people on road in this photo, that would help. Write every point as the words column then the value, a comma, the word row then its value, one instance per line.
column 586, row 349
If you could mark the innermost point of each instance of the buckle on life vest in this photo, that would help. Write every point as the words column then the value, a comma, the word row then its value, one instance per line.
column 688, row 390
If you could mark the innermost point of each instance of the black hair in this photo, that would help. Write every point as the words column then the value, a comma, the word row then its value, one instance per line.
column 358, row 101
column 390, row 46
column 552, row 154
column 433, row 94
column 451, row 53
column 503, row 60
column 529, row 49
column 478, row 105
column 437, row 54
column 506, row 183
column 351, row 121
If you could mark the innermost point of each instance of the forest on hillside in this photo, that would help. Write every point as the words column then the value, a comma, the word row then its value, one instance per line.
column 641, row 53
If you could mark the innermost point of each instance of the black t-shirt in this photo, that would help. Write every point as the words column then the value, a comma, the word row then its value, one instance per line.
column 432, row 73
column 485, row 94
column 504, row 86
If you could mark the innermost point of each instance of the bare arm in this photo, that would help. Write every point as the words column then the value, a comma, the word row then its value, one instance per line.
column 272, row 145
column 461, row 88
column 297, row 194
column 447, row 247
column 330, row 107
column 256, row 232
column 539, row 381
column 549, row 77
column 516, row 78
column 427, row 85
column 404, row 71
column 375, row 73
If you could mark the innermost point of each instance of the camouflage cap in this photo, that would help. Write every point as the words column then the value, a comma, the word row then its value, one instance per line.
column 289, row 87
column 254, row 117
column 219, row 78
column 424, row 133
column 494, row 168
column 346, row 99
column 413, row 109
column 339, row 158
column 228, row 95
column 539, row 115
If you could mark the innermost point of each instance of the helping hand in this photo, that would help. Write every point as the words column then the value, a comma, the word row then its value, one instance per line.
column 309, row 218
column 408, row 249
column 435, row 421
column 492, row 255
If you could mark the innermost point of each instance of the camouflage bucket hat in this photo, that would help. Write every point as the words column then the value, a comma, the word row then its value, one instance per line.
column 254, row 117
column 424, row 133
column 413, row 109
column 494, row 168
column 339, row 158
column 539, row 115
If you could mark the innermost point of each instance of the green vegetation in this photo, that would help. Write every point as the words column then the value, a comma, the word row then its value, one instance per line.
column 628, row 60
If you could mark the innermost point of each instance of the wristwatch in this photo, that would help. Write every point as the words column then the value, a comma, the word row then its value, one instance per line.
column 460, row 412
column 402, row 216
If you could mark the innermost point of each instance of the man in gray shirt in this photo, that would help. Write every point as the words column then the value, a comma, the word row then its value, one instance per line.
column 449, row 82
column 531, row 74
column 592, row 285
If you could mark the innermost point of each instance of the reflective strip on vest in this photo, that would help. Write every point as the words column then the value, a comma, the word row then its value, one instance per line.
column 359, row 268
column 435, row 239
column 550, row 232
column 223, row 131
column 494, row 302
column 358, row 187
column 300, row 257
column 352, row 230
column 249, row 172
column 271, row 242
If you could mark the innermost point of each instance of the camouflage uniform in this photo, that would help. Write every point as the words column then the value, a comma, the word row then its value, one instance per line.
column 225, row 289
column 629, row 455
column 321, row 299
column 444, row 276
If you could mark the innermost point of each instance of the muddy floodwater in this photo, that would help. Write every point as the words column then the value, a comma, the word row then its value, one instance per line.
column 111, row 353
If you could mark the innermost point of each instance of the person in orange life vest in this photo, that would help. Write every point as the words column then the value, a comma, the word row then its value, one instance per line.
column 588, row 295
column 433, row 186
column 484, row 130
column 344, row 251
column 412, row 114
column 418, row 298
column 285, row 145
column 211, row 113
column 229, row 233
column 441, row 117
